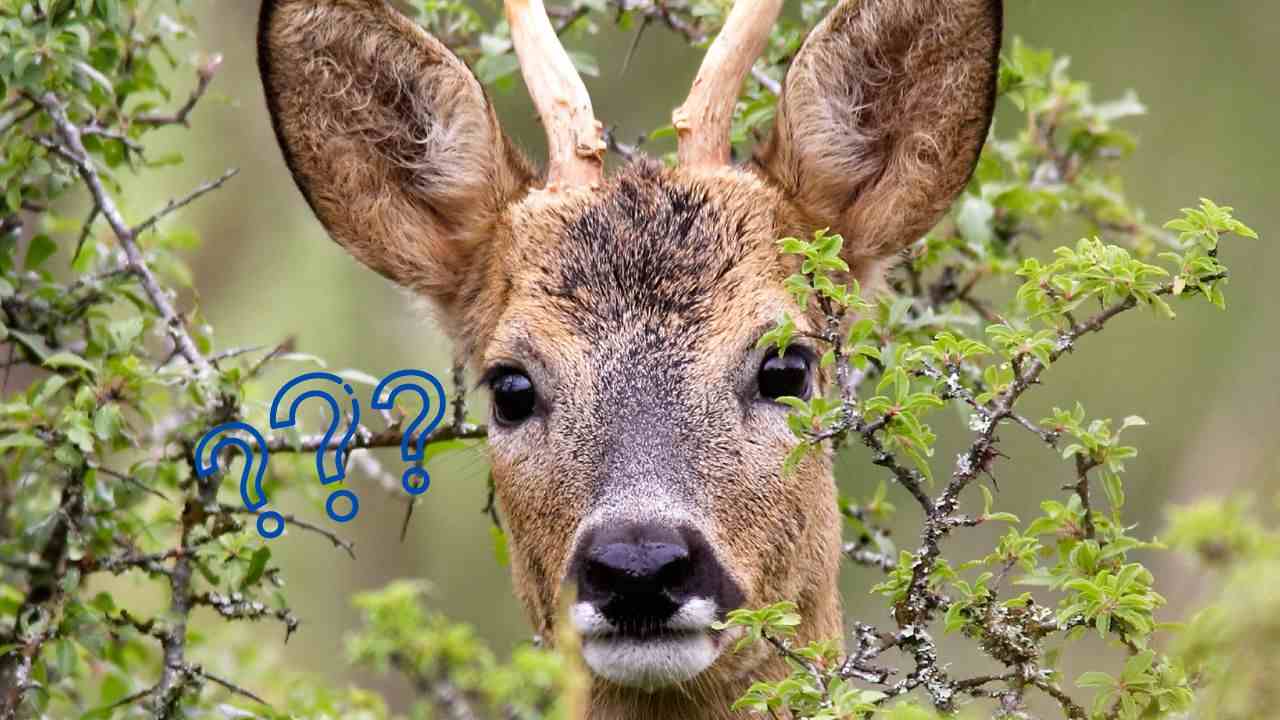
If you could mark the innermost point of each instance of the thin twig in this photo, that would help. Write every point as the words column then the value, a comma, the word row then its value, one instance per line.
column 765, row 81
column 364, row 438
column 204, row 76
column 196, row 669
column 293, row 521
column 180, row 203
column 1081, row 488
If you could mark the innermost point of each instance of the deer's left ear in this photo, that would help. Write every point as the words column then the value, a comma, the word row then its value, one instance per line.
column 882, row 116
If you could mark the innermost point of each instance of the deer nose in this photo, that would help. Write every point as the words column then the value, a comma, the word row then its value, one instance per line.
column 638, row 575
column 647, row 567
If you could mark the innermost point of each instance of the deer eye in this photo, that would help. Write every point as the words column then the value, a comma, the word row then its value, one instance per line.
column 513, row 396
column 784, row 375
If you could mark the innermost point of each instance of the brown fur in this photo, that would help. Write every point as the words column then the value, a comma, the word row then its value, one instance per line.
column 635, row 306
column 390, row 137
column 882, row 116
column 624, row 348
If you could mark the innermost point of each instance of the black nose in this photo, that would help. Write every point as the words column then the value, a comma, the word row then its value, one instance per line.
column 639, row 574
column 647, row 561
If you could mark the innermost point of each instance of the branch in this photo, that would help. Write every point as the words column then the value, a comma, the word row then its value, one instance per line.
column 191, row 197
column 915, row 611
column 175, row 674
column 451, row 701
column 72, row 149
column 858, row 553
column 293, row 521
column 627, row 152
column 765, row 81
column 204, row 76
column 870, row 646
column 366, row 439
column 1081, row 488
column 150, row 563
column 236, row 607
column 1069, row 706
column 44, row 601
column 197, row 670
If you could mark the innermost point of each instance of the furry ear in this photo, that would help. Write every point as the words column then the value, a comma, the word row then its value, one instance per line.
column 389, row 136
column 882, row 116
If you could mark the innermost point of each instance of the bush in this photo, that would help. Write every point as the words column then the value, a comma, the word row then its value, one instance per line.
column 124, row 377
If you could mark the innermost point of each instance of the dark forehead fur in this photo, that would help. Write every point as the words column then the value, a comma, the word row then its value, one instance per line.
column 654, row 251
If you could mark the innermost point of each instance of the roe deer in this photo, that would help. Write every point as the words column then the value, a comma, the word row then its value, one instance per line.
column 635, row 441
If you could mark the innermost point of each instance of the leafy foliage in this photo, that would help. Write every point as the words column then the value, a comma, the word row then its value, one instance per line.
column 937, row 342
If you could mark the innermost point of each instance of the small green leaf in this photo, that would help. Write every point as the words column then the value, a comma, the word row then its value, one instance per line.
column 61, row 360
column 39, row 250
column 257, row 565
column 1095, row 679
column 20, row 440
column 499, row 545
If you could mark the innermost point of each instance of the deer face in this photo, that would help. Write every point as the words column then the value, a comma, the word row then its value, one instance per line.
column 635, row 437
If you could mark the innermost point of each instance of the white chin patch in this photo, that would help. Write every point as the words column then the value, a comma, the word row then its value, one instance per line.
column 649, row 662
column 680, row 651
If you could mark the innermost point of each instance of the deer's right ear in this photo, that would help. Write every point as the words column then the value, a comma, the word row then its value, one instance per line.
column 882, row 116
column 389, row 136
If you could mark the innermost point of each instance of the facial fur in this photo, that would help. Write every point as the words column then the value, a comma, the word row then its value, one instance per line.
column 648, row 408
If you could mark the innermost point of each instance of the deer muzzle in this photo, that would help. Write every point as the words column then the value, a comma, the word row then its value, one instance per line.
column 647, row 596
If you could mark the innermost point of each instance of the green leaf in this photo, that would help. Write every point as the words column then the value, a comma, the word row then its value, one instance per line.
column 585, row 63
column 1133, row 421
column 491, row 68
column 20, row 440
column 107, row 422
column 974, row 220
column 39, row 250
column 62, row 360
column 257, row 565
column 1095, row 679
column 499, row 545
column 165, row 160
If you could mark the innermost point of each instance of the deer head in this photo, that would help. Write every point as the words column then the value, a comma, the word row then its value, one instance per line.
column 636, row 442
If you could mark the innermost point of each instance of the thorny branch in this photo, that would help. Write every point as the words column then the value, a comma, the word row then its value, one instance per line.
column 39, row 617
column 367, row 439
column 915, row 613
column 293, row 521
column 180, row 203
column 73, row 151
column 39, row 620
column 204, row 76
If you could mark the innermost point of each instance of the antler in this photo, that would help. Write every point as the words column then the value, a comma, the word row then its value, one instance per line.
column 575, row 139
column 702, row 123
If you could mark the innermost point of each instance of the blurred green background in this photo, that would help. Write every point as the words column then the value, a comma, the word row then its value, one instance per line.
column 1207, row 383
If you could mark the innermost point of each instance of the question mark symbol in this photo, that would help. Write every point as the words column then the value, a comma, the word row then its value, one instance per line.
column 338, row 469
column 415, row 480
column 270, row 522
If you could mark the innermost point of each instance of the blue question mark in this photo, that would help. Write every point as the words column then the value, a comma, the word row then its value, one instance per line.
column 415, row 480
column 270, row 522
column 338, row 463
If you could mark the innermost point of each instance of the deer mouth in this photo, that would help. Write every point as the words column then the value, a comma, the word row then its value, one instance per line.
column 649, row 655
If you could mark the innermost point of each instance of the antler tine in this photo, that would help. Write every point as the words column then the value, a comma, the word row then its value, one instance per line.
column 575, row 139
column 702, row 123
